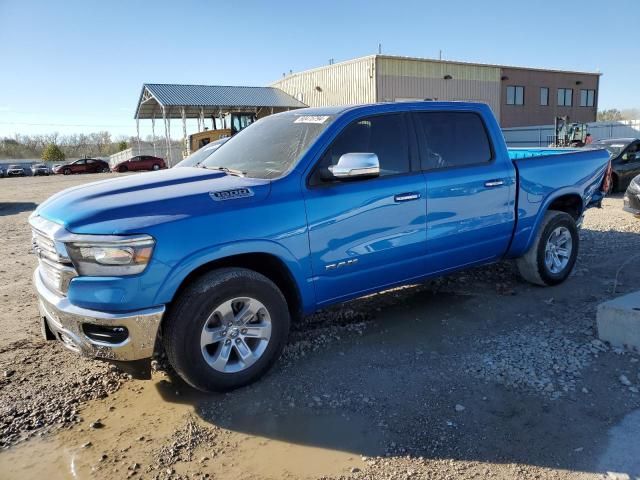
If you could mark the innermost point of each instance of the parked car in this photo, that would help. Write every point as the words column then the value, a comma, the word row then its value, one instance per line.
column 1, row 172
column 140, row 162
column 625, row 160
column 40, row 169
column 84, row 165
column 200, row 155
column 340, row 202
column 15, row 171
column 632, row 197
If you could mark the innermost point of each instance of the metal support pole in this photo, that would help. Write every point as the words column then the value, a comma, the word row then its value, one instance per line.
column 184, row 131
column 169, row 140
column 202, row 117
column 138, row 132
column 153, row 132
column 166, row 133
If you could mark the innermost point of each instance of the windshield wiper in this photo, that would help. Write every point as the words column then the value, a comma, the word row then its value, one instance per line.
column 230, row 171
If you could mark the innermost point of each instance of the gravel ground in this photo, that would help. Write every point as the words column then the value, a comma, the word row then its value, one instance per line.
column 475, row 375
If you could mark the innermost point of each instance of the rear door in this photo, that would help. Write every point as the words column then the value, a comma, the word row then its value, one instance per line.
column 146, row 162
column 470, row 191
column 365, row 234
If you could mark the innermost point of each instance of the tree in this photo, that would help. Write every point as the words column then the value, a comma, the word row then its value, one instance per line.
column 52, row 153
column 122, row 146
column 611, row 115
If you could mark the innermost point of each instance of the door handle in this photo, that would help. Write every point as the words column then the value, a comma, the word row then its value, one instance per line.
column 493, row 183
column 406, row 197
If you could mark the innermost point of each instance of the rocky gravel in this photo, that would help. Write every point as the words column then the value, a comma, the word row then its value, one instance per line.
column 46, row 389
column 475, row 375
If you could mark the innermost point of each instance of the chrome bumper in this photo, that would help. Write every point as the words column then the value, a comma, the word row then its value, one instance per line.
column 66, row 322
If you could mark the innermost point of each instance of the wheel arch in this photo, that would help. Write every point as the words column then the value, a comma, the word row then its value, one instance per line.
column 566, row 200
column 281, row 269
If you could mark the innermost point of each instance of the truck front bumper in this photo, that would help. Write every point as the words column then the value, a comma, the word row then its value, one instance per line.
column 113, row 336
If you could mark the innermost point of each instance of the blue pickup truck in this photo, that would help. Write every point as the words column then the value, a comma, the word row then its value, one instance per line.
column 301, row 210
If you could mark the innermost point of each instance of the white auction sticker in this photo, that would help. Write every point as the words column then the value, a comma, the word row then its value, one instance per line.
column 312, row 119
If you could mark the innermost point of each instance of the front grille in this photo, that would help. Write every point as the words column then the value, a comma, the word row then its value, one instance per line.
column 44, row 246
column 56, row 270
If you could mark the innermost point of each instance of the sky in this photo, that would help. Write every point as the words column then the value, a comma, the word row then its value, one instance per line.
column 78, row 66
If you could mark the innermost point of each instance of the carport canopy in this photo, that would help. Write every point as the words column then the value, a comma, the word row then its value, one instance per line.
column 158, row 100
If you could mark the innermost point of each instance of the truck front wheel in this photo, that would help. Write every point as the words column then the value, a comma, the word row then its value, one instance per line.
column 226, row 329
column 553, row 254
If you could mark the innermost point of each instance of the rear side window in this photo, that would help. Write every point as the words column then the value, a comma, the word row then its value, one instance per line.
column 384, row 135
column 452, row 139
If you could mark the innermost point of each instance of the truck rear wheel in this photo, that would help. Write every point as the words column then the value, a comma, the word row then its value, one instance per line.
column 226, row 329
column 553, row 254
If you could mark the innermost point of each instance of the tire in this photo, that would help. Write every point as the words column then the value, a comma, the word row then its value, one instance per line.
column 104, row 170
column 155, row 167
column 200, row 305
column 533, row 265
column 66, row 171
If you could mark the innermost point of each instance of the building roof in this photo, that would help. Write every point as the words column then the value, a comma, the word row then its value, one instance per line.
column 435, row 60
column 210, row 99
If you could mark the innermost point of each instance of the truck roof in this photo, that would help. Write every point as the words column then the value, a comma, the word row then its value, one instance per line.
column 335, row 110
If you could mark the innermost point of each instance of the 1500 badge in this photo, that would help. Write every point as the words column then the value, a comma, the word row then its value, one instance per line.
column 231, row 194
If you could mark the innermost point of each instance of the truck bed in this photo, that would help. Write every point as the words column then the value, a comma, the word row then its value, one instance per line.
column 547, row 173
column 520, row 153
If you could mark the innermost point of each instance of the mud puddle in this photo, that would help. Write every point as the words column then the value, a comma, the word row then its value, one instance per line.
column 151, row 430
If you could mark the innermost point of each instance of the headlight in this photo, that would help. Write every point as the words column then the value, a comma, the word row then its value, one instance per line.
column 120, row 256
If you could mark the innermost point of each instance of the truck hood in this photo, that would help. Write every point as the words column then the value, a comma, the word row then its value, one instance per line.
column 132, row 203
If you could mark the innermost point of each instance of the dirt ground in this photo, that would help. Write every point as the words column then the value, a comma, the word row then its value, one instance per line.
column 477, row 375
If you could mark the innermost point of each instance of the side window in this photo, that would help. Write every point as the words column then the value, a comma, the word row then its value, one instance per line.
column 384, row 135
column 632, row 149
column 90, row 162
column 452, row 139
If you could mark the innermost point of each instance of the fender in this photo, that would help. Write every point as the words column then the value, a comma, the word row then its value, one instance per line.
column 527, row 228
column 301, row 273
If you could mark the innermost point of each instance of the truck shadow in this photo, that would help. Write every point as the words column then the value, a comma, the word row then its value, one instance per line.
column 401, row 373
column 13, row 208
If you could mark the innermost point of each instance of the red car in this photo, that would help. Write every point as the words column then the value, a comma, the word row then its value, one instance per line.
column 84, row 165
column 140, row 162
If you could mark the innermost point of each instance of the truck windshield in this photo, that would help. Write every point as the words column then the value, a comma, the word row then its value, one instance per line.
column 269, row 147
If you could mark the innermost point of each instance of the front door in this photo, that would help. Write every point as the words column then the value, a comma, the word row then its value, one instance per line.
column 627, row 165
column 369, row 233
column 470, row 192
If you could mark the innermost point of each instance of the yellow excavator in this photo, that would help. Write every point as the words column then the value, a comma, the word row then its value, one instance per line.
column 230, row 124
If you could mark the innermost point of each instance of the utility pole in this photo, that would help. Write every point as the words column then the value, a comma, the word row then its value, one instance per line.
column 379, row 49
column 440, row 57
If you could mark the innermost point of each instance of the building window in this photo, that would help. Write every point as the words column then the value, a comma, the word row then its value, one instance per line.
column 565, row 97
column 515, row 95
column 587, row 98
column 544, row 96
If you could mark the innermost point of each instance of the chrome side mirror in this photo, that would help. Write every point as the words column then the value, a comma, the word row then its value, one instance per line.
column 355, row 165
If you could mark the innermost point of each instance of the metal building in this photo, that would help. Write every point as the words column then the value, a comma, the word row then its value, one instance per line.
column 515, row 94
column 384, row 78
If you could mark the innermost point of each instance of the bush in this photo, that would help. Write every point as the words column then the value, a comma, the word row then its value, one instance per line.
column 52, row 153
